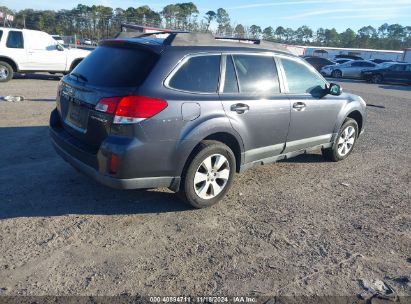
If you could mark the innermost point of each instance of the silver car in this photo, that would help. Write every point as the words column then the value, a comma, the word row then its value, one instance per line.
column 351, row 69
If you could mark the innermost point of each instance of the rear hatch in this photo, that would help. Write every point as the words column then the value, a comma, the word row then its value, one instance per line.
column 116, row 68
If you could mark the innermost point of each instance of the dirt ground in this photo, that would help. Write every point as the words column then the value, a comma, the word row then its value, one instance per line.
column 299, row 227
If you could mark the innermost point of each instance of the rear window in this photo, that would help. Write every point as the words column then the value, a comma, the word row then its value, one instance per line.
column 15, row 40
column 198, row 74
column 116, row 66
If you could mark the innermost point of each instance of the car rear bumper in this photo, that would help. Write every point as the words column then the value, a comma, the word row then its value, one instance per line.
column 95, row 165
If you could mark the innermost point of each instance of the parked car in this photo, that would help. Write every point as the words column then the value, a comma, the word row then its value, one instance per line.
column 85, row 41
column 190, row 111
column 318, row 62
column 58, row 39
column 25, row 51
column 378, row 61
column 351, row 69
column 343, row 60
column 394, row 72
column 343, row 56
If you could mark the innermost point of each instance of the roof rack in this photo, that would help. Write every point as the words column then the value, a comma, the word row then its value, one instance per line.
column 181, row 38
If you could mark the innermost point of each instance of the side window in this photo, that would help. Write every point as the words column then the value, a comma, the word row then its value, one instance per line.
column 1, row 34
column 256, row 74
column 301, row 79
column 198, row 74
column 398, row 68
column 230, row 83
column 15, row 40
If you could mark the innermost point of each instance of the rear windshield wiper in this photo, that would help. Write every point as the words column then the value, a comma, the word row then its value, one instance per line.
column 79, row 76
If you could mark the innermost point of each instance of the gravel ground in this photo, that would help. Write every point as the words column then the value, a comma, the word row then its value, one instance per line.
column 299, row 227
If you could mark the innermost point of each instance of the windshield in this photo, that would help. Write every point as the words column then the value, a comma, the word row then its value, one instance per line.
column 386, row 64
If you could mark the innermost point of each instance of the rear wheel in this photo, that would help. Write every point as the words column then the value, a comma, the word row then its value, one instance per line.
column 336, row 74
column 344, row 143
column 209, row 174
column 377, row 78
column 6, row 71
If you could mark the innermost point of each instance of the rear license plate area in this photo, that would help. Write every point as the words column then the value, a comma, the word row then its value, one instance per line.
column 77, row 116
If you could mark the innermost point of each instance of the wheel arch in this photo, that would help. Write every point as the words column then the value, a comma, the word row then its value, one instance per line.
column 74, row 63
column 226, row 137
column 357, row 116
column 10, row 61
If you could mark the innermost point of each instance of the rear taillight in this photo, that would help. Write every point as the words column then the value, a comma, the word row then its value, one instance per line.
column 131, row 109
column 113, row 163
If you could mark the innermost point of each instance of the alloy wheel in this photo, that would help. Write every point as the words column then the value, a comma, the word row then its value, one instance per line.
column 211, row 176
column 346, row 141
column 4, row 73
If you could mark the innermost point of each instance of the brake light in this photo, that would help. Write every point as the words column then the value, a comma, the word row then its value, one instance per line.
column 131, row 109
column 113, row 163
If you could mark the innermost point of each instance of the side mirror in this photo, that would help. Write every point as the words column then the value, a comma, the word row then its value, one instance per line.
column 59, row 47
column 334, row 89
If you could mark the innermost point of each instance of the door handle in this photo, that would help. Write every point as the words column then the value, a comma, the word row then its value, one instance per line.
column 240, row 108
column 299, row 106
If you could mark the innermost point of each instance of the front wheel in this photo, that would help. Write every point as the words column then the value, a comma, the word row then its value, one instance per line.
column 209, row 174
column 344, row 143
column 376, row 78
column 336, row 74
column 6, row 71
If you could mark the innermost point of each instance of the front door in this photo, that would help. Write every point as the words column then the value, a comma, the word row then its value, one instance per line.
column 43, row 54
column 252, row 99
column 312, row 118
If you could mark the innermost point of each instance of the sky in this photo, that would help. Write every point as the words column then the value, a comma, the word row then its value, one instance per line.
column 340, row 14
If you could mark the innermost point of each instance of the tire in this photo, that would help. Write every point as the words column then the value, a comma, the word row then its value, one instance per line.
column 377, row 78
column 6, row 71
column 73, row 65
column 344, row 143
column 336, row 74
column 208, row 175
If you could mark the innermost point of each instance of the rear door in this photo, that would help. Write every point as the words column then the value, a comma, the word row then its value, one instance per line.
column 354, row 69
column 15, row 47
column 312, row 118
column 256, row 106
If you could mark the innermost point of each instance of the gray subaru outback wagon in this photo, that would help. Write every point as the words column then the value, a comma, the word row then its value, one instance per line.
column 189, row 111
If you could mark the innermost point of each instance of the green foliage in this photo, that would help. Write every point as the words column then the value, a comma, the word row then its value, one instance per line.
column 99, row 22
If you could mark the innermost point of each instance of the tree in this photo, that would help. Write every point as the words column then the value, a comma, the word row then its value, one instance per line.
column 280, row 32
column 169, row 13
column 239, row 31
column 365, row 35
column 320, row 36
column 268, row 33
column 304, row 34
column 348, row 38
column 209, row 17
column 185, row 11
column 289, row 34
column 331, row 37
column 255, row 31
column 223, row 20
